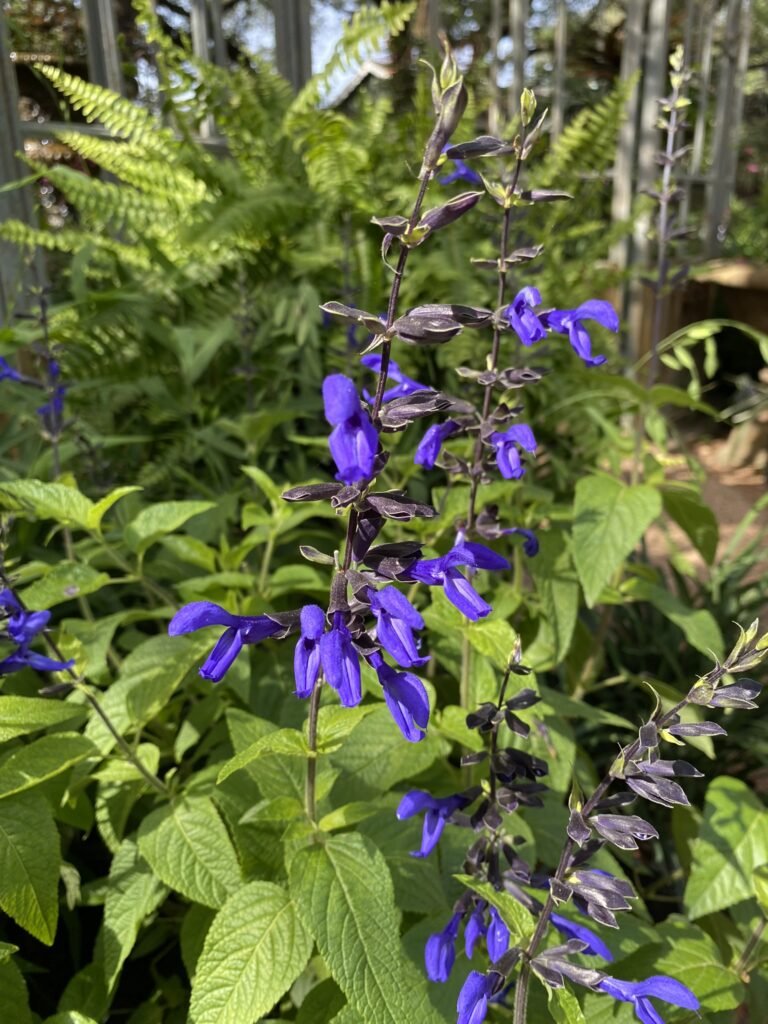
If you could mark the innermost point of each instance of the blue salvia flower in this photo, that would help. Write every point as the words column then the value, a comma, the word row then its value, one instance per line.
column 405, row 385
column 7, row 372
column 507, row 454
column 522, row 319
column 531, row 542
column 475, row 928
column 571, row 930
column 440, row 950
column 240, row 630
column 52, row 412
column 477, row 990
column 570, row 322
column 22, row 627
column 406, row 698
column 306, row 658
column 341, row 663
column 443, row 572
column 461, row 172
column 430, row 445
column 396, row 618
column 437, row 812
column 637, row 992
column 354, row 440
column 497, row 938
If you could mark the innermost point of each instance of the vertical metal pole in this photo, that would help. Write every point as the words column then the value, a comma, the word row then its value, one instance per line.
column 293, row 41
column 104, row 66
column 631, row 61
column 654, row 87
column 727, row 122
column 558, row 85
column 15, row 273
column 518, row 20
column 494, row 109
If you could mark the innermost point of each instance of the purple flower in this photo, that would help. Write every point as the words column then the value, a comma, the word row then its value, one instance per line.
column 354, row 440
column 637, row 993
column 7, row 372
column 569, row 321
column 24, row 658
column 432, row 442
column 571, row 930
column 531, row 542
column 522, row 319
column 498, row 937
column 406, row 698
column 440, row 950
column 461, row 172
column 405, row 385
column 52, row 412
column 443, row 572
column 241, row 629
column 475, row 928
column 306, row 658
column 507, row 455
column 438, row 811
column 472, row 1004
column 340, row 662
column 396, row 618
column 22, row 625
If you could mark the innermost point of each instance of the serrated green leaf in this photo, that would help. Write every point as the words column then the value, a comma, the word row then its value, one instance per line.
column 515, row 917
column 42, row 759
column 63, row 583
column 100, row 509
column 133, row 894
column 495, row 639
column 188, row 847
column 349, row 814
column 376, row 755
column 334, row 724
column 344, row 893
column 610, row 517
column 255, row 949
column 760, row 882
column 698, row 625
column 42, row 500
column 288, row 742
column 157, row 520
column 20, row 716
column 29, row 864
column 732, row 842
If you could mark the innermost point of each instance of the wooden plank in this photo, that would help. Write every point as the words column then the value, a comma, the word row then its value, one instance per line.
column 723, row 138
column 293, row 41
column 104, row 66
column 494, row 108
column 518, row 20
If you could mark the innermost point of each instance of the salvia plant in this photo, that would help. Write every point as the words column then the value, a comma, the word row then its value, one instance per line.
column 314, row 879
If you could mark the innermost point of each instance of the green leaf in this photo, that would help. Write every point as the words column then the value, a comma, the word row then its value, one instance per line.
column 63, row 583
column 29, row 864
column 495, row 639
column 732, row 842
column 41, row 500
column 148, row 679
column 188, row 847
column 253, row 952
column 42, row 759
column 515, row 917
column 694, row 517
column 14, row 999
column 335, row 723
column 564, row 1006
column 100, row 509
column 698, row 625
column 349, row 814
column 157, row 520
column 69, row 1017
column 282, row 741
column 133, row 894
column 610, row 517
column 375, row 753
column 20, row 716
column 263, row 480
column 344, row 892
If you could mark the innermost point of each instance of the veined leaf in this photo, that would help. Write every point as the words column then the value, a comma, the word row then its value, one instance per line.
column 157, row 520
column 43, row 759
column 42, row 500
column 20, row 716
column 29, row 864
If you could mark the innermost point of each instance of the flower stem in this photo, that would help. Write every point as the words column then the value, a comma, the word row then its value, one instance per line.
column 523, row 982
column 310, row 800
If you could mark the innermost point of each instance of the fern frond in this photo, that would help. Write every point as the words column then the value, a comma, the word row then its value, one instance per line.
column 121, row 116
column 365, row 33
